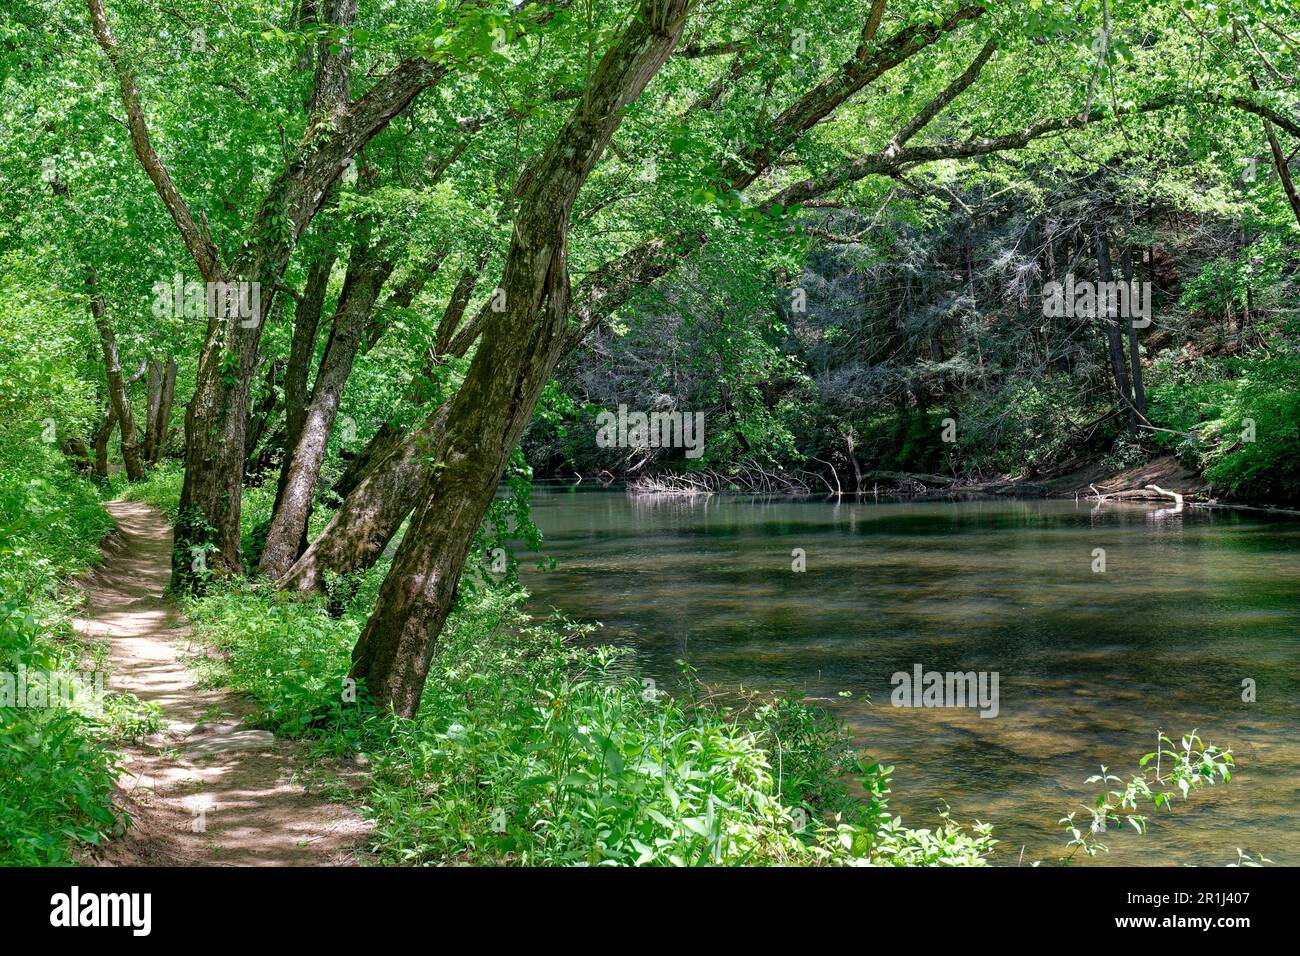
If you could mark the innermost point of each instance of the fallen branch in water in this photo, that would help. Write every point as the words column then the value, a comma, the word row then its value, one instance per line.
column 1140, row 494
column 750, row 478
column 1178, row 499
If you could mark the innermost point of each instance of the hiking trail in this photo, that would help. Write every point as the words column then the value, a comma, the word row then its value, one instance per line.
column 205, row 790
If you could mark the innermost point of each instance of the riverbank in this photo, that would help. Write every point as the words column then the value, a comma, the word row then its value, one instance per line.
column 1158, row 479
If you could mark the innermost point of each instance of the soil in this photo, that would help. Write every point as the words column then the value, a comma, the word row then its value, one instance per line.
column 206, row 790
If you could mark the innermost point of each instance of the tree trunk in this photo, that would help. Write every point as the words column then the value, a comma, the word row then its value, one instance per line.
column 1279, row 161
column 456, row 306
column 155, row 387
column 370, row 516
column 381, row 444
column 302, row 350
column 1283, row 171
column 516, row 356
column 163, row 427
column 387, row 438
column 367, row 274
column 1134, row 354
column 259, row 420
column 1110, row 323
column 102, row 435
column 117, row 393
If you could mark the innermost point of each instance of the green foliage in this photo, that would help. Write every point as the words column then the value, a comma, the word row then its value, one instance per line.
column 1178, row 770
column 56, row 775
column 529, row 749
column 1239, row 421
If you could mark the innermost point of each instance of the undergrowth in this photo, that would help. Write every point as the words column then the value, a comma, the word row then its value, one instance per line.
column 531, row 749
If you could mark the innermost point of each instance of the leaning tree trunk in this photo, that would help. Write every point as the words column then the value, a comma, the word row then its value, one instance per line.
column 285, row 540
column 1283, row 170
column 117, row 394
column 516, row 356
column 302, row 350
column 381, row 445
column 368, row 519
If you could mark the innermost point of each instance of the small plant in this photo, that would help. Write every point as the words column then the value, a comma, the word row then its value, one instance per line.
column 1179, row 769
column 126, row 717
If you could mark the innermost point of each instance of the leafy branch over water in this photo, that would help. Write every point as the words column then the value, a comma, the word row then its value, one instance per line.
column 1180, row 768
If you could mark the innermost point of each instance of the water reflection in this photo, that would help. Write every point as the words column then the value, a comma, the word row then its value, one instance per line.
column 1091, row 664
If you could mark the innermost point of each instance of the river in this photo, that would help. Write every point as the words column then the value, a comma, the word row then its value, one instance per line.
column 1090, row 664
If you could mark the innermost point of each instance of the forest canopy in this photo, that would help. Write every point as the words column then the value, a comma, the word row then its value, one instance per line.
column 342, row 276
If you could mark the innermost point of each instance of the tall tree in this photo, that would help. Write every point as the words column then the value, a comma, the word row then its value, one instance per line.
column 517, row 352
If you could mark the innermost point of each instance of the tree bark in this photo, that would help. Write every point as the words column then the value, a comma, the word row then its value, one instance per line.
column 367, row 274
column 163, row 425
column 515, row 359
column 302, row 350
column 1110, row 323
column 1283, row 171
column 117, row 393
column 102, row 435
column 154, row 388
column 1134, row 353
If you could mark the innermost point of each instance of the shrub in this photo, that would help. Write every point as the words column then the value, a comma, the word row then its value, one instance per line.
column 56, row 775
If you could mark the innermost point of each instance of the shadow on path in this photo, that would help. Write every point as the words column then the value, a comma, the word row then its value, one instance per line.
column 205, row 790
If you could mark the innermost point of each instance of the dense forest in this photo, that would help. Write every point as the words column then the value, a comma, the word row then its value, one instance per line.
column 330, row 284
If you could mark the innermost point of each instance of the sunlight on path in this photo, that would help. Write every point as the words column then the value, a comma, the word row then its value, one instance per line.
column 205, row 790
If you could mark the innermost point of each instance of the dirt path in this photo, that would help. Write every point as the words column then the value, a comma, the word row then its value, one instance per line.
column 205, row 790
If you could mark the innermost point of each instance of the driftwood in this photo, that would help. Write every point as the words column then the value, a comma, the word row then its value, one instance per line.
column 1139, row 494
column 749, row 478
column 901, row 476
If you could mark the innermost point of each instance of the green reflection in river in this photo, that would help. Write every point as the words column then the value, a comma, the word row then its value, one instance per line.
column 1090, row 665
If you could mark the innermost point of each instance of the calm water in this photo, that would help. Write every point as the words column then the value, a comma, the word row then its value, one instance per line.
column 1090, row 665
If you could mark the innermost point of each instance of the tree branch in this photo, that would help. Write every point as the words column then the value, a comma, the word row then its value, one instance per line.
column 198, row 243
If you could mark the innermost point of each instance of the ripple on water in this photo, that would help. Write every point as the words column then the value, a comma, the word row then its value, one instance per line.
column 1091, row 665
